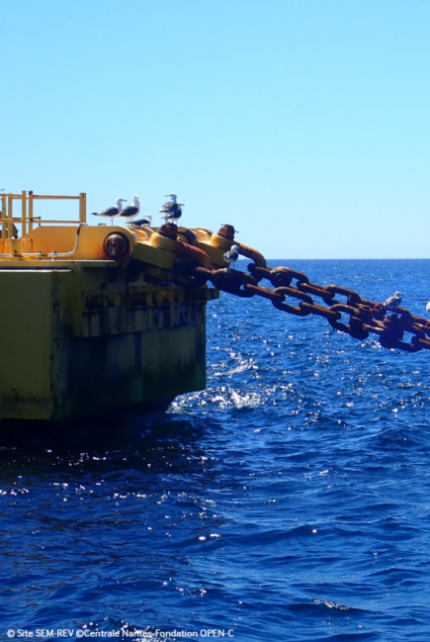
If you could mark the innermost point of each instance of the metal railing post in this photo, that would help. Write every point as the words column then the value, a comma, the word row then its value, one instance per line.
column 30, row 211
column 9, row 216
column 24, row 213
column 3, row 215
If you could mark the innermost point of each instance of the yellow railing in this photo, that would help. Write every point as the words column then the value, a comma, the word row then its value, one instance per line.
column 27, row 218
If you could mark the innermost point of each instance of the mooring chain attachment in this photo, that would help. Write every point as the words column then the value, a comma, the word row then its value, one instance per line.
column 365, row 316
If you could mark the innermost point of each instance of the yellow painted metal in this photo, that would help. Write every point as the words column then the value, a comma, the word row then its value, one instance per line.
column 30, row 211
column 7, row 212
column 26, row 345
column 74, row 342
column 9, row 223
column 83, row 333
column 63, row 242
column 216, row 245
column 148, row 253
column 221, row 242
column 15, row 247
column 52, row 262
column 164, row 243
column 78, row 241
column 50, row 238
column 46, row 197
column 83, row 207
column 144, row 232
column 24, row 213
column 215, row 253
column 3, row 213
column 40, row 221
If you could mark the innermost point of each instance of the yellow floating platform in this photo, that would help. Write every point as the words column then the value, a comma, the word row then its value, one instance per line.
column 88, row 324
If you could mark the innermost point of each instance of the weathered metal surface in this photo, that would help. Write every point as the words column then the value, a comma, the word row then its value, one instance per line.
column 85, row 338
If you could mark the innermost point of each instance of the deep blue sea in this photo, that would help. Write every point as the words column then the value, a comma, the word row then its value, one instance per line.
column 290, row 500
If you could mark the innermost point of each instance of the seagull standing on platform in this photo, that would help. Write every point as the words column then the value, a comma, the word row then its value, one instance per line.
column 131, row 211
column 112, row 212
column 142, row 222
column 172, row 209
column 393, row 302
column 231, row 256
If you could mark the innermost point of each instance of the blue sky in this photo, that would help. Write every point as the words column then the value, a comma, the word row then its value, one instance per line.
column 305, row 123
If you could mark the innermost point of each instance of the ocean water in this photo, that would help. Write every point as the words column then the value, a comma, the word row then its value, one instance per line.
column 290, row 500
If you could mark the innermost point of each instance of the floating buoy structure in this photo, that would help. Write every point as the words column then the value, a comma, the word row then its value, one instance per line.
column 91, row 320
column 103, row 317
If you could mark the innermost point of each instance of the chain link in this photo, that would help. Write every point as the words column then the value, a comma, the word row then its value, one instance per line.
column 365, row 317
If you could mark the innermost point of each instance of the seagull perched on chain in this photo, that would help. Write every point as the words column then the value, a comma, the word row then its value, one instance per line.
column 172, row 209
column 131, row 211
column 231, row 256
column 112, row 212
column 393, row 302
column 142, row 222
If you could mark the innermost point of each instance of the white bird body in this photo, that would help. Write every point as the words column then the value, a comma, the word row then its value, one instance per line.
column 172, row 209
column 112, row 212
column 393, row 302
column 428, row 307
column 232, row 255
column 131, row 211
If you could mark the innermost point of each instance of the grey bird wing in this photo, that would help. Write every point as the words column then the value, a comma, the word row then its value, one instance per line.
column 167, row 207
column 129, row 211
column 141, row 221
column 393, row 301
column 110, row 211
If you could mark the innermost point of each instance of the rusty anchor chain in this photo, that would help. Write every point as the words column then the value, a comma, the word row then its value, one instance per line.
column 365, row 317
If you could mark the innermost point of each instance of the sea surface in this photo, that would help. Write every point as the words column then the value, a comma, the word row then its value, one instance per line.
column 290, row 500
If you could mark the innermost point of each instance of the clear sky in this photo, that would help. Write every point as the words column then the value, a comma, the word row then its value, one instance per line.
column 305, row 123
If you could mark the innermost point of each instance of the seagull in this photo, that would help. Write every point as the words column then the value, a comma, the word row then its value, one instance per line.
column 112, row 212
column 172, row 209
column 231, row 256
column 142, row 222
column 393, row 302
column 131, row 211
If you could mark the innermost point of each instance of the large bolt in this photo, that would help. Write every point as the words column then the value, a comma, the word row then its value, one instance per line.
column 116, row 245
